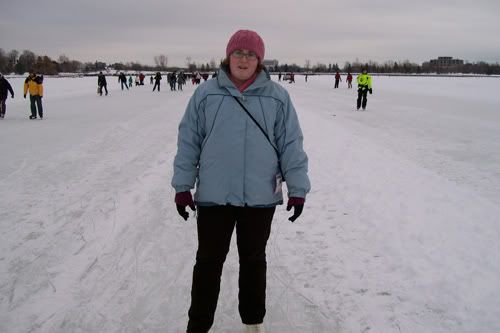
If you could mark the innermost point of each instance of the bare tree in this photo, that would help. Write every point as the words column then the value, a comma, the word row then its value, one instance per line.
column 25, row 62
column 3, row 60
column 213, row 65
column 63, row 63
column 161, row 61
column 11, row 60
column 45, row 65
column 63, row 58
column 308, row 64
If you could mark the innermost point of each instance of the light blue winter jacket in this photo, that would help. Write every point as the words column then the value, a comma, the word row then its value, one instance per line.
column 228, row 157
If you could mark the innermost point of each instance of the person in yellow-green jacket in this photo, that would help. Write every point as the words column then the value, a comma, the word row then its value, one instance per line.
column 34, row 84
column 364, row 86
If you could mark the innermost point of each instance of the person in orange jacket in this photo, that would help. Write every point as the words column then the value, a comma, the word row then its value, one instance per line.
column 34, row 84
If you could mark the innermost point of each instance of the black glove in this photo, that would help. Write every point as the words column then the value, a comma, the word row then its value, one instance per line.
column 24, row 95
column 370, row 90
column 182, row 211
column 183, row 199
column 298, row 207
column 12, row 95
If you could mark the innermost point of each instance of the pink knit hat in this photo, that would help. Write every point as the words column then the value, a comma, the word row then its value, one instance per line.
column 246, row 40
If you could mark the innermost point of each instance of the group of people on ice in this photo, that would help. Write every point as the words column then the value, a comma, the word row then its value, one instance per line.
column 175, row 80
column 33, row 85
column 364, row 81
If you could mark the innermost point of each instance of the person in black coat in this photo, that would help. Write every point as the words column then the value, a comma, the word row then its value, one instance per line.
column 101, row 83
column 123, row 80
column 5, row 88
column 157, row 81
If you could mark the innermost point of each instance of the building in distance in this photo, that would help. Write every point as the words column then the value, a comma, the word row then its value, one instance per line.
column 270, row 64
column 446, row 62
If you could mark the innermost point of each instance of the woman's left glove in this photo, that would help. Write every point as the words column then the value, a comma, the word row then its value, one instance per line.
column 298, row 206
column 183, row 199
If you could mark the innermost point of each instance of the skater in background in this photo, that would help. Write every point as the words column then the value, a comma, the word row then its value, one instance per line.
column 101, row 83
column 197, row 78
column 349, row 80
column 364, row 86
column 237, row 172
column 306, row 78
column 157, row 81
column 151, row 79
column 130, row 81
column 181, row 80
column 172, row 79
column 123, row 80
column 34, row 85
column 337, row 79
column 5, row 88
column 279, row 76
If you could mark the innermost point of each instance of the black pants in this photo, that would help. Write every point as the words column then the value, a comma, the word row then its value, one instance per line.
column 336, row 83
column 362, row 100
column 36, row 102
column 3, row 108
column 157, row 84
column 105, row 88
column 215, row 228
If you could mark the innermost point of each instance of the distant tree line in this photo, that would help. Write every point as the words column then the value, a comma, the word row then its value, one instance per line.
column 21, row 62
column 391, row 67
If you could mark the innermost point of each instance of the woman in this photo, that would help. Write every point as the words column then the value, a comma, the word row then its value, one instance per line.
column 237, row 160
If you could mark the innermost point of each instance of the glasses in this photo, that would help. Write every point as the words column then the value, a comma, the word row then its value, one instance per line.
column 240, row 54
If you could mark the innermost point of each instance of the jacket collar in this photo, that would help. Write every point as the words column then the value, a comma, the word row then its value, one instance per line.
column 224, row 81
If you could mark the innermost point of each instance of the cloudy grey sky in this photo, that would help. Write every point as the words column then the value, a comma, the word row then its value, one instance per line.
column 325, row 31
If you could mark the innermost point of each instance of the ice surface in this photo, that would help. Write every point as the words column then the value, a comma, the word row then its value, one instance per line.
column 399, row 234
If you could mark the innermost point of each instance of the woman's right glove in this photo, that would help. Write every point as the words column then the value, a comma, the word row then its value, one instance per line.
column 183, row 199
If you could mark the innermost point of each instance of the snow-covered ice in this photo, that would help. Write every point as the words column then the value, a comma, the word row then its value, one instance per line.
column 399, row 234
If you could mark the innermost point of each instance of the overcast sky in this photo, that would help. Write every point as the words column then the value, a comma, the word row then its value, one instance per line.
column 326, row 31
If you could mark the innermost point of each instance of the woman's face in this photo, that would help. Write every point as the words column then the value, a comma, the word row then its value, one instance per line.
column 243, row 64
